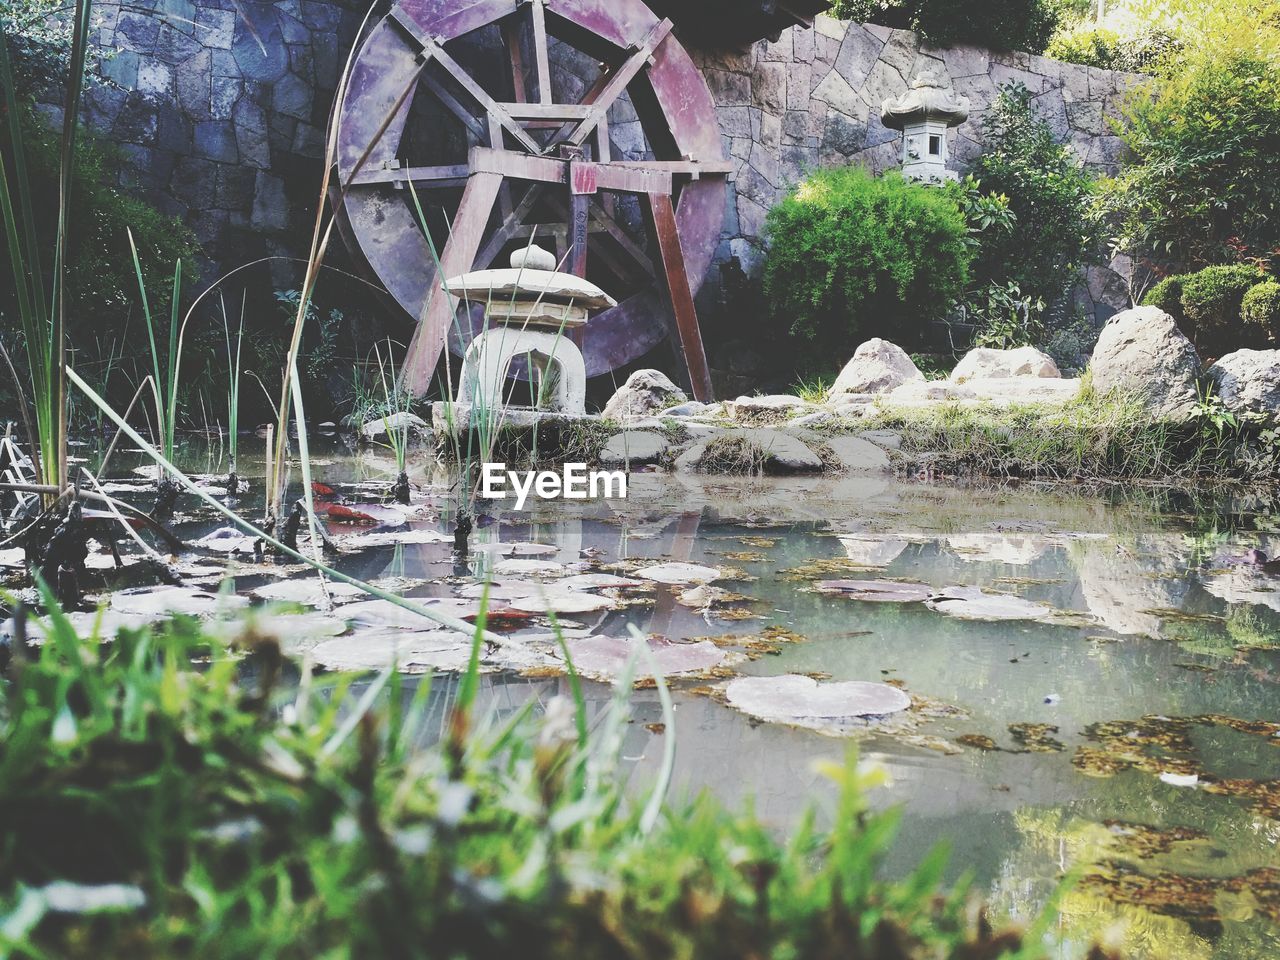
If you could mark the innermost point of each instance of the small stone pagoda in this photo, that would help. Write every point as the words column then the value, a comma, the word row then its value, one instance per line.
column 924, row 114
column 530, row 311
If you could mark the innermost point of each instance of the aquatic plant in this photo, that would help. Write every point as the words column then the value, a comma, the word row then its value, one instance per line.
column 233, row 397
column 160, row 810
column 395, row 421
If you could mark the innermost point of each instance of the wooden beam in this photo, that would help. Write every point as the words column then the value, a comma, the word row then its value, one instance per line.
column 667, row 234
column 623, row 177
column 511, row 40
column 459, row 256
column 508, row 229
column 452, row 175
column 546, row 111
column 540, row 57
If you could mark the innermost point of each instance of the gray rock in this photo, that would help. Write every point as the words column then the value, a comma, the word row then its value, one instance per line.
column 915, row 393
column 691, row 409
column 270, row 208
column 1248, row 383
column 878, row 366
column 377, row 429
column 984, row 363
column 1006, row 390
column 770, row 406
column 856, row 455
column 645, row 393
column 779, row 452
column 888, row 439
column 634, row 447
column 1142, row 351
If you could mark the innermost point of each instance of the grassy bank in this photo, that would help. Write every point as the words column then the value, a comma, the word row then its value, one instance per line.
column 1086, row 439
column 153, row 809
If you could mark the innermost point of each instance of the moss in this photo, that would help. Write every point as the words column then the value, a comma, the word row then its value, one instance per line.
column 1260, row 311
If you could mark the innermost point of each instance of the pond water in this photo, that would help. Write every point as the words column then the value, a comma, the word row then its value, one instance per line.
column 1170, row 824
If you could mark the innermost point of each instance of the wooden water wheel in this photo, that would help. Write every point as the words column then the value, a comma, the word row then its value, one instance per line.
column 504, row 117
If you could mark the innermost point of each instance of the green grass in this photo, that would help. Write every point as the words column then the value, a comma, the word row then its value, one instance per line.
column 243, row 815
column 1090, row 438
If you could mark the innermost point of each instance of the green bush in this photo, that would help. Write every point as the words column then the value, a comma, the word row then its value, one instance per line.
column 1211, row 301
column 1049, row 195
column 854, row 256
column 998, row 24
column 1203, row 183
column 1087, row 43
column 1167, row 295
column 1260, row 311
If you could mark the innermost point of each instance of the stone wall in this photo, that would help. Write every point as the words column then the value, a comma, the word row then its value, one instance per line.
column 812, row 98
column 221, row 121
column 220, row 113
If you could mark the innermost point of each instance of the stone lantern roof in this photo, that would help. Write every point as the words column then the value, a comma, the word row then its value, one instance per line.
column 531, row 291
column 928, row 100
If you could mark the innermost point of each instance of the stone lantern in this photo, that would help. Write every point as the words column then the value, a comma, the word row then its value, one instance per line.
column 924, row 114
column 530, row 309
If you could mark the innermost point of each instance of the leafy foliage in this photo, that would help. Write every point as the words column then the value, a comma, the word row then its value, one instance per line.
column 1049, row 195
column 38, row 33
column 1260, row 311
column 1107, row 48
column 853, row 256
column 236, row 817
column 1203, row 186
column 1000, row 24
column 1208, row 306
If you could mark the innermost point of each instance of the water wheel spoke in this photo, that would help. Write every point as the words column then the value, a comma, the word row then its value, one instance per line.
column 541, row 60
column 689, row 336
column 436, row 52
column 616, row 81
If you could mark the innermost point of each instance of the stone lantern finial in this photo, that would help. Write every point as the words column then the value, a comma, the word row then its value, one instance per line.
column 924, row 114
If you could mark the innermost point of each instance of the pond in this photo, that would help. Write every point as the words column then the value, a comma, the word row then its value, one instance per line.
column 1025, row 751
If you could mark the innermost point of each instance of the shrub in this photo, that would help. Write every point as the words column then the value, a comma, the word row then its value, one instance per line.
column 1203, row 185
column 1087, row 43
column 1211, row 301
column 854, row 256
column 1167, row 295
column 1049, row 195
column 999, row 24
column 1260, row 311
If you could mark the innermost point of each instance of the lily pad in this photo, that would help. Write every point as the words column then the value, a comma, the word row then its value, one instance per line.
column 384, row 613
column 528, row 568
column 595, row 581
column 226, row 540
column 561, row 603
column 157, row 602
column 306, row 591
column 794, row 698
column 295, row 631
column 679, row 573
column 410, row 651
column 606, row 658
column 394, row 538
column 878, row 591
column 517, row 549
column 972, row 603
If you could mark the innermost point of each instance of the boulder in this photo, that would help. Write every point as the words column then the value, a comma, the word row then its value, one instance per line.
column 915, row 393
column 778, row 452
column 1142, row 351
column 776, row 406
column 646, row 392
column 1005, row 390
column 634, row 447
column 692, row 408
column 856, row 455
column 878, row 366
column 986, row 363
column 410, row 423
column 1248, row 383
